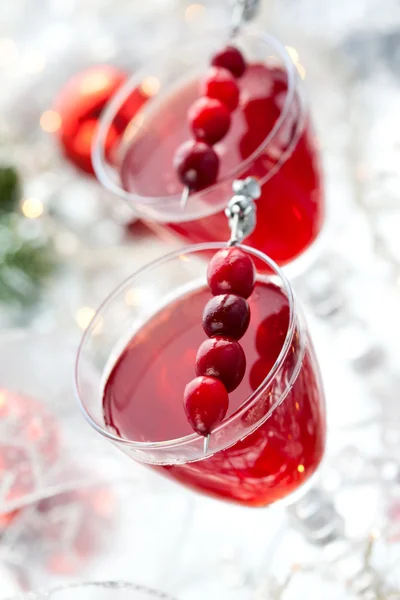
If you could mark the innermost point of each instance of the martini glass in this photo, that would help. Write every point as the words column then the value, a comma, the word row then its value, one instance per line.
column 271, row 138
column 139, row 351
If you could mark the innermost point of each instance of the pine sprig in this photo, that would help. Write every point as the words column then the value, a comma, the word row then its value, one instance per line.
column 25, row 263
column 10, row 190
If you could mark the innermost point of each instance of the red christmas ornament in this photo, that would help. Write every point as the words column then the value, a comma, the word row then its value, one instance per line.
column 79, row 106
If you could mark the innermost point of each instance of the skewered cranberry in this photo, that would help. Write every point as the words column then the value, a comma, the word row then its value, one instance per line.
column 197, row 165
column 231, row 271
column 226, row 315
column 206, row 403
column 222, row 358
column 221, row 85
column 230, row 58
column 209, row 120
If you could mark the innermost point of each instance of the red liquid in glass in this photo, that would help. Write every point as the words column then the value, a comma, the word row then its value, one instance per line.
column 143, row 400
column 290, row 210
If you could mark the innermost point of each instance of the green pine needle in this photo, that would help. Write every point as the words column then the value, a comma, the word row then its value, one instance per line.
column 24, row 264
column 10, row 190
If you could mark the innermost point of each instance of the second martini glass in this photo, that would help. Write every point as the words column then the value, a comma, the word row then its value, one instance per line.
column 270, row 138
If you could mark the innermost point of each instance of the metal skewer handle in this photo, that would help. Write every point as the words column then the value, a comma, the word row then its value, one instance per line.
column 241, row 209
column 243, row 11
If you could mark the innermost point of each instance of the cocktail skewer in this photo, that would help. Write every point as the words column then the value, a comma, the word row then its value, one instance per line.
column 206, row 443
column 184, row 197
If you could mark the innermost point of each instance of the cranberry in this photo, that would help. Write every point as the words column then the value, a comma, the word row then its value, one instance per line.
column 259, row 372
column 271, row 333
column 280, row 81
column 222, row 358
column 221, row 84
column 231, row 271
column 261, row 115
column 206, row 403
column 196, row 164
column 209, row 120
column 230, row 58
column 226, row 315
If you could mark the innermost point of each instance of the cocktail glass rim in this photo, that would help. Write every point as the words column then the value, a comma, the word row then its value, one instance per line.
column 111, row 585
column 99, row 158
column 192, row 438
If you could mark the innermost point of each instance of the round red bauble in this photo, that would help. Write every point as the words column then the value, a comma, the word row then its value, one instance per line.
column 79, row 105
